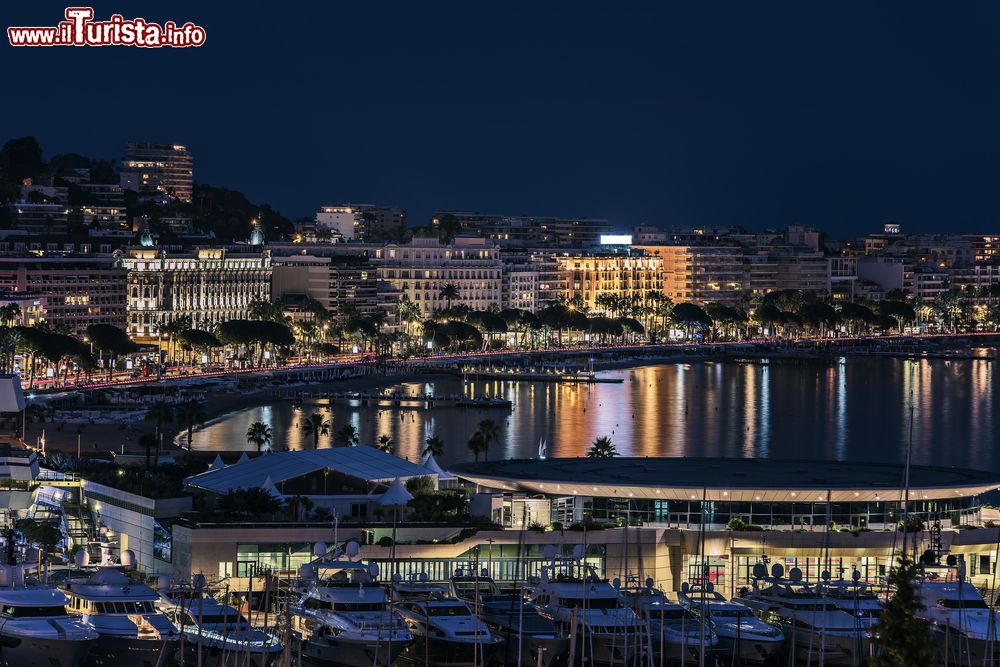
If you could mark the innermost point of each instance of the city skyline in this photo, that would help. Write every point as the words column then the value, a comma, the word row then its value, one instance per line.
column 659, row 116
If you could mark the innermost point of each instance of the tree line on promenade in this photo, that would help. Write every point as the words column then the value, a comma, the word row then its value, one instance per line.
column 269, row 331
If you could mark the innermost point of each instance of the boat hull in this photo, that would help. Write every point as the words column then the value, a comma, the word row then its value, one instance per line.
column 554, row 651
column 749, row 650
column 131, row 652
column 443, row 653
column 216, row 657
column 836, row 650
column 968, row 650
column 343, row 652
column 609, row 650
column 17, row 651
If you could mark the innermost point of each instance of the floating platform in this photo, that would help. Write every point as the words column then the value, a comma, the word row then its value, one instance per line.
column 412, row 401
column 517, row 376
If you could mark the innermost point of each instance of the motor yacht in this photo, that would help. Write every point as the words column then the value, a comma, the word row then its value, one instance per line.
column 132, row 631
column 526, row 637
column 815, row 629
column 217, row 632
column 674, row 632
column 602, row 629
column 37, row 631
column 742, row 636
column 964, row 622
column 445, row 631
column 343, row 616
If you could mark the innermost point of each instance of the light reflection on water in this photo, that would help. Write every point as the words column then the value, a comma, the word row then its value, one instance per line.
column 854, row 409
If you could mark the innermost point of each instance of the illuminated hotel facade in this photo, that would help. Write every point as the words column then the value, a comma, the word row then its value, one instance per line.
column 418, row 270
column 207, row 285
column 590, row 276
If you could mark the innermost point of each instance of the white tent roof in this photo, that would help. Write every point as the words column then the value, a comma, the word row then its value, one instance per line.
column 269, row 486
column 396, row 495
column 11, row 396
column 243, row 458
column 363, row 463
column 217, row 464
column 433, row 466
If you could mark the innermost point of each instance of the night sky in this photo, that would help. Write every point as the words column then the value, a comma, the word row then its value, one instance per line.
column 838, row 115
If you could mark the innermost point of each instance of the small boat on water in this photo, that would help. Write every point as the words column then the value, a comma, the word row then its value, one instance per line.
column 742, row 636
column 217, row 632
column 526, row 637
column 343, row 617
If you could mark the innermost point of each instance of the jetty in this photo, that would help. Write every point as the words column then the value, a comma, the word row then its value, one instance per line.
column 399, row 400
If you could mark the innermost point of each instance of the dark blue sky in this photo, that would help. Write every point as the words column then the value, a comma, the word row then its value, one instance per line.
column 839, row 115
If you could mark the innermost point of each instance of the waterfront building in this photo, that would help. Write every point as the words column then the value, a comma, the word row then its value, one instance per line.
column 418, row 270
column 701, row 273
column 208, row 285
column 684, row 502
column 338, row 282
column 591, row 276
column 74, row 292
column 30, row 304
column 526, row 231
column 531, row 279
column 786, row 268
column 164, row 169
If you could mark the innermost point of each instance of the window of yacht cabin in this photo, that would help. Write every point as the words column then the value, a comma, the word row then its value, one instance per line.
column 20, row 611
column 590, row 603
column 448, row 610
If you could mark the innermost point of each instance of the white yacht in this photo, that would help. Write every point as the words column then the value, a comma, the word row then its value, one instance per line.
column 416, row 587
column 216, row 631
column 858, row 598
column 675, row 633
column 445, row 631
column 132, row 631
column 815, row 628
column 526, row 637
column 36, row 630
column 966, row 625
column 343, row 616
column 588, row 610
column 742, row 636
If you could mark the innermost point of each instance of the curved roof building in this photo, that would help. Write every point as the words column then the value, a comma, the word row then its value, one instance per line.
column 715, row 479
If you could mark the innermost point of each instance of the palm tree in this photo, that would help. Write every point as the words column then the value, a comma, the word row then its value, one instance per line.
column 347, row 436
column 190, row 412
column 161, row 413
column 259, row 434
column 385, row 444
column 316, row 426
column 491, row 433
column 477, row 444
column 449, row 292
column 602, row 449
column 434, row 446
